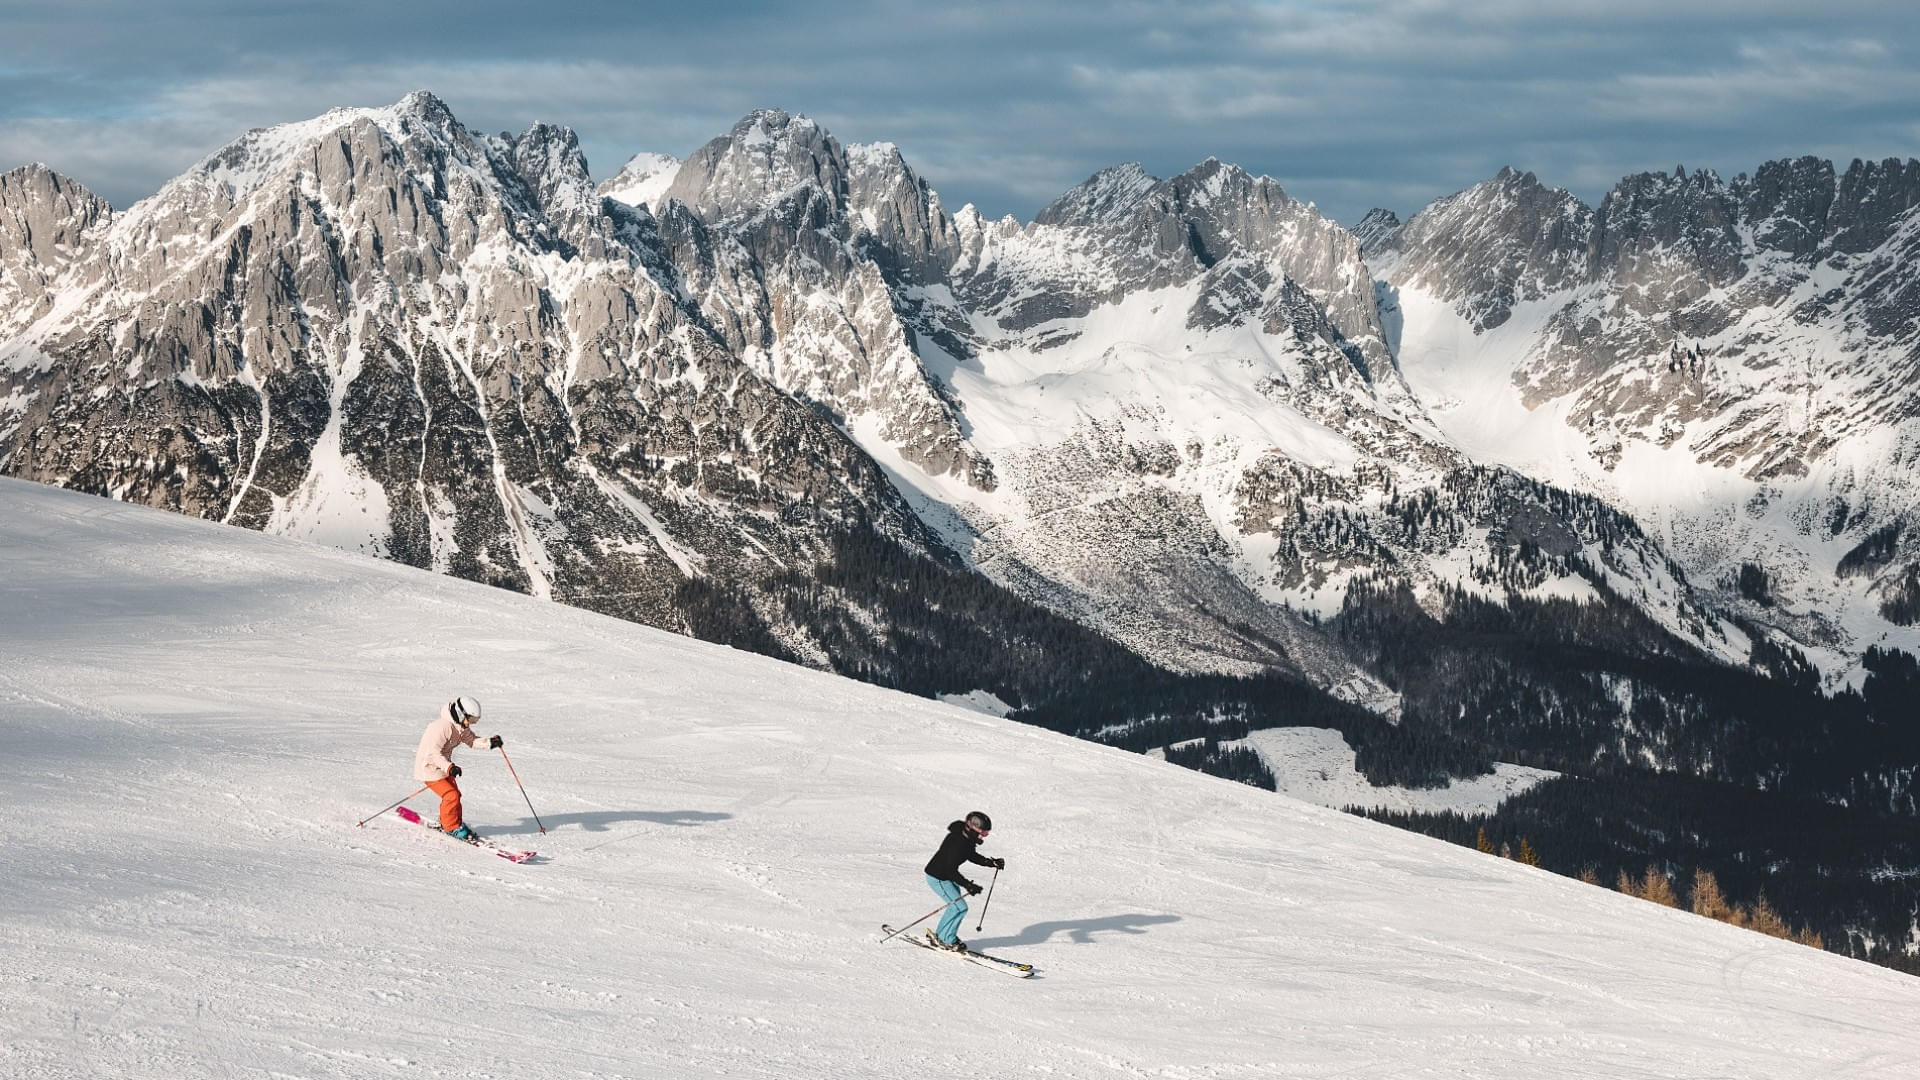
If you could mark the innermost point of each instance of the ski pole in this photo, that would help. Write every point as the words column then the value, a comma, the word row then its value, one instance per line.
column 917, row 921
column 523, row 790
column 988, row 900
column 370, row 817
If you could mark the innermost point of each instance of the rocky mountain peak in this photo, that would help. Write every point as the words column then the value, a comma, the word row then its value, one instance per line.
column 426, row 107
column 913, row 237
column 46, row 214
column 1670, row 236
column 643, row 180
column 1224, row 204
column 1872, row 200
column 548, row 160
column 264, row 154
column 1787, row 203
column 1506, row 239
column 1201, row 214
column 1108, row 195
column 765, row 159
column 47, row 222
column 1505, row 188
column 1214, row 182
column 1378, row 231
column 878, row 173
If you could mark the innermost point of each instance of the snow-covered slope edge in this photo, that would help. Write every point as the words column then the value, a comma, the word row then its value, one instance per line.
column 194, row 717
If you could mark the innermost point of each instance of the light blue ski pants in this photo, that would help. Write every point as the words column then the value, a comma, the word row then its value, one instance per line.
column 949, row 928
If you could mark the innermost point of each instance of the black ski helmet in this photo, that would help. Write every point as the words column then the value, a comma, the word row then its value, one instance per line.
column 980, row 821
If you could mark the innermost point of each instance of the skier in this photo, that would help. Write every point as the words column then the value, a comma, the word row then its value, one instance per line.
column 433, row 764
column 943, row 875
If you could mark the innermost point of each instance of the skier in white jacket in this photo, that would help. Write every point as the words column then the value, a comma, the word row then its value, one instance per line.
column 433, row 764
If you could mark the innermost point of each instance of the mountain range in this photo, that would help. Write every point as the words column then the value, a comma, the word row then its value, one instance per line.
column 1616, row 488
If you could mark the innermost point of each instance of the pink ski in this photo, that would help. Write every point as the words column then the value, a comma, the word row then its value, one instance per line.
column 484, row 844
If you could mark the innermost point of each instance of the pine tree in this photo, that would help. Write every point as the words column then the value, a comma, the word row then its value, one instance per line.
column 1766, row 920
column 1708, row 900
column 1657, row 888
column 1810, row 938
column 1527, row 854
column 1483, row 843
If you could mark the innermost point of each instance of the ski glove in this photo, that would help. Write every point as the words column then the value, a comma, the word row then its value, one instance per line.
column 494, row 743
column 453, row 771
column 972, row 889
column 998, row 864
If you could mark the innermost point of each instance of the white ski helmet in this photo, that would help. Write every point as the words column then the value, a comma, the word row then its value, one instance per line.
column 465, row 710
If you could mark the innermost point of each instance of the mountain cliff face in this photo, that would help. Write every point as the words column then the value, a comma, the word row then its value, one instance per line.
column 381, row 331
column 774, row 229
column 47, row 224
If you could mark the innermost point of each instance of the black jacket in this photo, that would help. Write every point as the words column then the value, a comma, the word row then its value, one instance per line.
column 959, row 846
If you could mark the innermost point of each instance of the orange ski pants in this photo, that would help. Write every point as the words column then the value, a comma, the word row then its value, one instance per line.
column 449, row 793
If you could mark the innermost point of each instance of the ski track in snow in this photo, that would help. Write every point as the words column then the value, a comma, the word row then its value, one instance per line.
column 192, row 719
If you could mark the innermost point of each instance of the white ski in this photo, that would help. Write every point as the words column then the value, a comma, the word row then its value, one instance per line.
column 1011, row 967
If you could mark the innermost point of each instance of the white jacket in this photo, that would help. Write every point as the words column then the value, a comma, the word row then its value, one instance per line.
column 435, row 755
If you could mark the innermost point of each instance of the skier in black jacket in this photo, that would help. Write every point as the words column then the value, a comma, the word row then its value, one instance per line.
column 943, row 875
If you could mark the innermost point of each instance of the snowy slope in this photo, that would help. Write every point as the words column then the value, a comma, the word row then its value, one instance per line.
column 644, row 178
column 194, row 717
column 1708, row 515
column 1317, row 765
column 1732, row 364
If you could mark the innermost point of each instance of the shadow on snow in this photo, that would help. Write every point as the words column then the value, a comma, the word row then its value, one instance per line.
column 1078, row 931
column 605, row 820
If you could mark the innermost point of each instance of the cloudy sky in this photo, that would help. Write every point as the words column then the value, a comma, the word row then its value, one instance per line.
column 1003, row 103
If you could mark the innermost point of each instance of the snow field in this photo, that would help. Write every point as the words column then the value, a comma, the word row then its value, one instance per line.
column 192, row 718
column 1316, row 765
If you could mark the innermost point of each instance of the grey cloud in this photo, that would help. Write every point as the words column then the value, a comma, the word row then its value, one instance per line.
column 1347, row 103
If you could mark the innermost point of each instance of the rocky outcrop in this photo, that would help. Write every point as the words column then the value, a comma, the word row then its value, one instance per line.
column 48, row 224
column 797, row 251
column 1499, row 243
column 1125, row 232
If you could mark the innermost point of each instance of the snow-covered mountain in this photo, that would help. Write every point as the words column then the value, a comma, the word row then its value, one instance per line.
column 1732, row 363
column 1189, row 414
column 195, row 718
column 1169, row 409
column 380, row 330
column 642, row 180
